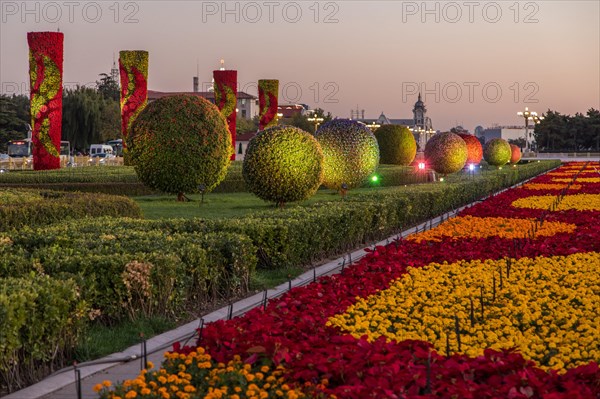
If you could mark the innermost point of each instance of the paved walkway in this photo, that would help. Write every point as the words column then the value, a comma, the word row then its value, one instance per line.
column 62, row 385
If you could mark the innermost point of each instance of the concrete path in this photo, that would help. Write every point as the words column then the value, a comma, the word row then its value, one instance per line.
column 62, row 385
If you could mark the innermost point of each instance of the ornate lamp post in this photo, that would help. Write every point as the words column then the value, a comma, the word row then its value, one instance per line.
column 529, row 116
column 316, row 120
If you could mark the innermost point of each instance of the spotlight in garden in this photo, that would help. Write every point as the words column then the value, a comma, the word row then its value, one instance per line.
column 421, row 165
column 441, row 179
column 202, row 189
column 343, row 190
column 471, row 167
column 2, row 171
column 374, row 178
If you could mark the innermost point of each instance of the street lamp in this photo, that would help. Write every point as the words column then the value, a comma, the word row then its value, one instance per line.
column 316, row 120
column 529, row 116
column 374, row 126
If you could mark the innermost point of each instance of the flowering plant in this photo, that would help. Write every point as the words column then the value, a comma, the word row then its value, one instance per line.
column 268, row 92
column 45, row 72
column 133, row 68
column 226, row 100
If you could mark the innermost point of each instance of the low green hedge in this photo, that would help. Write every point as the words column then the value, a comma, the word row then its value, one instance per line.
column 184, row 269
column 21, row 207
column 40, row 321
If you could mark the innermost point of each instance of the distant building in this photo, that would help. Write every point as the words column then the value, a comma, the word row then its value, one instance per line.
column 247, row 104
column 420, row 124
column 503, row 132
column 241, row 142
column 291, row 110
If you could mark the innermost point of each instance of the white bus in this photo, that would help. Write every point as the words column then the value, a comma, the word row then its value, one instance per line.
column 24, row 149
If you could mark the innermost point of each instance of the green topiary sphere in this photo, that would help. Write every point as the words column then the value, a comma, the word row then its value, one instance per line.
column 350, row 150
column 446, row 153
column 397, row 145
column 179, row 143
column 515, row 156
column 283, row 164
column 497, row 152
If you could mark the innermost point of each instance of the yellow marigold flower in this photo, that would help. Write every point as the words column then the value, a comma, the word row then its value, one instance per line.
column 580, row 202
column 106, row 383
column 162, row 380
column 98, row 387
column 145, row 391
column 130, row 395
column 264, row 369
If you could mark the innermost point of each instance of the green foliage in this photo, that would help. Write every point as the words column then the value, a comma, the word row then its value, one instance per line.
column 497, row 152
column 350, row 150
column 88, row 117
column 178, row 143
column 397, row 145
column 40, row 321
column 446, row 153
column 283, row 164
column 14, row 117
column 129, row 268
column 558, row 132
column 108, row 87
column 21, row 207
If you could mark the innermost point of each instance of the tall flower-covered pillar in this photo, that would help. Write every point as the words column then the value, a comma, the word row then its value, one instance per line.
column 268, row 90
column 45, row 72
column 226, row 100
column 133, row 68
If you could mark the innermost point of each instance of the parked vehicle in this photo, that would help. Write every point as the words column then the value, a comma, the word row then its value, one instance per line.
column 100, row 149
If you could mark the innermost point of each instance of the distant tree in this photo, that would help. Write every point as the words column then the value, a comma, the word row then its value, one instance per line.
column 244, row 125
column 14, row 117
column 88, row 117
column 557, row 132
column 108, row 87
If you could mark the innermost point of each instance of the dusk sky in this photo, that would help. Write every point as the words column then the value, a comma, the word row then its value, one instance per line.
column 478, row 64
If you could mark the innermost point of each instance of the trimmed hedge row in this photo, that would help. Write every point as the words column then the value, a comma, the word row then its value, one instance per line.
column 21, row 207
column 40, row 320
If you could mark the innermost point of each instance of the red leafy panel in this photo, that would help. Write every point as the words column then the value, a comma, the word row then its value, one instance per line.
column 225, row 88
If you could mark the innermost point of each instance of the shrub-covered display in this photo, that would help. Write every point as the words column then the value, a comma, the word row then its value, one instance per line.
column 268, row 95
column 226, row 100
column 446, row 153
column 515, row 156
column 45, row 72
column 350, row 151
column 397, row 145
column 474, row 148
column 133, row 68
column 497, row 152
column 180, row 143
column 283, row 164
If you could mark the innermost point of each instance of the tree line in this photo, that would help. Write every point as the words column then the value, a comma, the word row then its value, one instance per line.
column 558, row 132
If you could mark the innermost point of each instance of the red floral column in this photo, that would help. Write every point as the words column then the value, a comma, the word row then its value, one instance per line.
column 133, row 67
column 268, row 91
column 226, row 100
column 45, row 72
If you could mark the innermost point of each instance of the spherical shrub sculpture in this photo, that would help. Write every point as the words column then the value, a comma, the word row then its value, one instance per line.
column 180, row 144
column 474, row 148
column 446, row 153
column 351, row 153
column 397, row 145
column 515, row 156
column 497, row 152
column 283, row 164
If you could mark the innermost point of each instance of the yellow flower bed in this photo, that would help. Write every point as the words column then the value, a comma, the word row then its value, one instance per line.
column 547, row 308
column 196, row 375
column 580, row 202
column 579, row 180
column 476, row 227
column 550, row 186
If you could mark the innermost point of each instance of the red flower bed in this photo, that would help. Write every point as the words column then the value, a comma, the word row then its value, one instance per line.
column 291, row 330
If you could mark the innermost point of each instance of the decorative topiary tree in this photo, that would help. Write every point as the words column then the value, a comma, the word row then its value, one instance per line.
column 474, row 148
column 226, row 100
column 45, row 72
column 497, row 152
column 515, row 156
column 351, row 153
column 397, row 145
column 133, row 68
column 446, row 153
column 283, row 164
column 180, row 144
column 268, row 94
